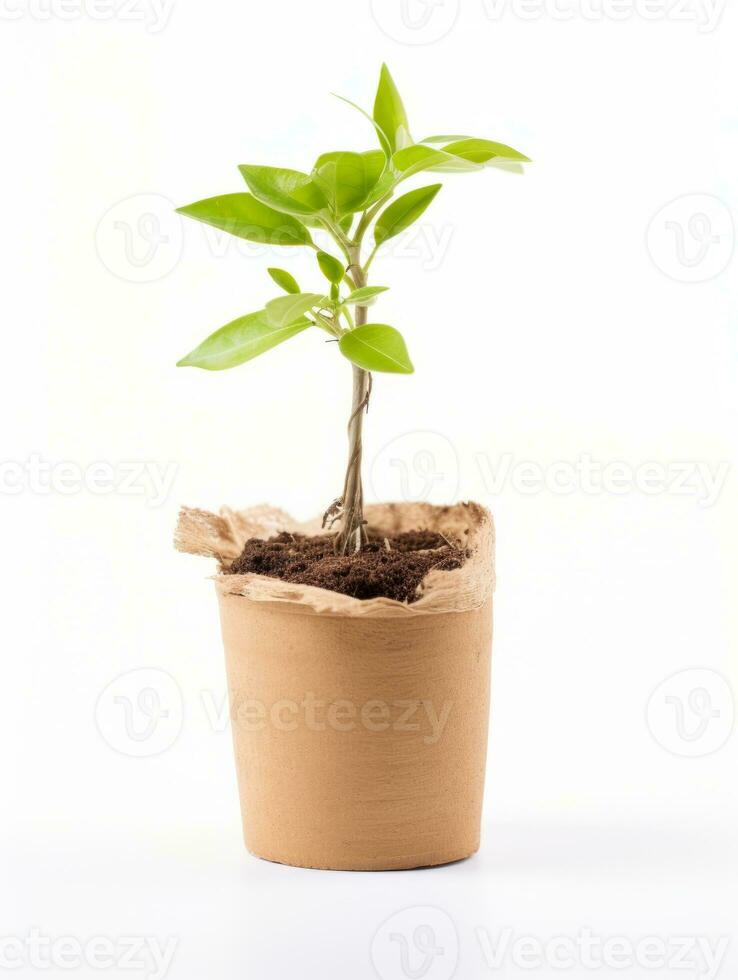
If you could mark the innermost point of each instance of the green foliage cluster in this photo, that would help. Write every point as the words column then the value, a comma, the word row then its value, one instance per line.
column 345, row 195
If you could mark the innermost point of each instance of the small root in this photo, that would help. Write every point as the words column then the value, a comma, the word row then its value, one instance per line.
column 333, row 513
column 448, row 541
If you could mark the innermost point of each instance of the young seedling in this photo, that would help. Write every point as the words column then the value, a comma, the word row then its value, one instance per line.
column 344, row 196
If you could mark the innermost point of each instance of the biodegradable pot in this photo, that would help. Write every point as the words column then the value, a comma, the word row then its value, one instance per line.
column 359, row 727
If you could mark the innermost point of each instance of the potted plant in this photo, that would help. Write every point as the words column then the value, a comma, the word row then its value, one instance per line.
column 358, row 646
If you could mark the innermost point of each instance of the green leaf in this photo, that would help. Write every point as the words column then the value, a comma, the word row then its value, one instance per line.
column 348, row 178
column 480, row 151
column 242, row 215
column 443, row 139
column 509, row 166
column 384, row 185
column 284, row 280
column 383, row 138
column 377, row 347
column 286, row 190
column 331, row 268
column 365, row 294
column 346, row 222
column 284, row 310
column 412, row 159
column 389, row 112
column 402, row 212
column 240, row 341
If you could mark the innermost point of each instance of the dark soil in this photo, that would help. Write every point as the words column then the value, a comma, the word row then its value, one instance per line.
column 393, row 567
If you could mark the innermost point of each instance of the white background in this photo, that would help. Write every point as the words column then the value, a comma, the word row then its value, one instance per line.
column 551, row 318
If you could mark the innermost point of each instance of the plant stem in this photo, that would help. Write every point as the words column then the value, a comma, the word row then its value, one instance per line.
column 353, row 535
column 370, row 259
column 369, row 215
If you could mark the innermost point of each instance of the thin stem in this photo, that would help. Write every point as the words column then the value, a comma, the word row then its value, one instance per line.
column 330, row 326
column 353, row 535
column 371, row 258
column 368, row 216
column 338, row 236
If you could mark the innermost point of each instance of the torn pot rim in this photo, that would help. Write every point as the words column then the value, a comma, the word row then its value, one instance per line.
column 222, row 536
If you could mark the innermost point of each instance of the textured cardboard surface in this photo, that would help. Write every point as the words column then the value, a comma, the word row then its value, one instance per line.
column 382, row 782
column 360, row 734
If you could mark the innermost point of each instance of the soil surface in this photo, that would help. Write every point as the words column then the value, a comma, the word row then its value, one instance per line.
column 393, row 567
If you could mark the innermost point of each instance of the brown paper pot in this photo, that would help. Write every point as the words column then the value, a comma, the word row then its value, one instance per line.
column 359, row 727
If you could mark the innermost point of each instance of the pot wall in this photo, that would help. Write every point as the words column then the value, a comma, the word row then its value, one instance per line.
column 360, row 743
